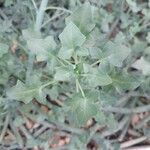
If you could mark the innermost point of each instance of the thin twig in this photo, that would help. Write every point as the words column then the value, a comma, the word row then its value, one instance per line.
column 133, row 142
column 5, row 127
column 125, row 98
column 93, row 131
column 138, row 148
column 17, row 135
column 35, row 6
column 25, row 132
column 95, row 63
column 59, row 8
column 62, row 126
column 2, row 14
column 124, row 131
column 120, row 110
column 120, row 126
column 112, row 28
column 142, row 122
column 78, row 83
column 51, row 19
column 39, row 132
column 133, row 133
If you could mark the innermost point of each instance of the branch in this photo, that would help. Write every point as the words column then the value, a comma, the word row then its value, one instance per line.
column 133, row 142
column 138, row 148
column 120, row 126
column 127, row 110
column 40, row 15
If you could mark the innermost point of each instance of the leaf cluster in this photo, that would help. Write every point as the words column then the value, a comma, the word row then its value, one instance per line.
column 100, row 55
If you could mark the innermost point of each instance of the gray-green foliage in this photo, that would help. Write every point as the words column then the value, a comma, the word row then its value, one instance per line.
column 73, row 39
column 85, row 65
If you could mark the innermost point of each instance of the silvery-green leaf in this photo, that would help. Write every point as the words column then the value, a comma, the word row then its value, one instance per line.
column 25, row 93
column 65, row 53
column 30, row 34
column 71, row 37
column 82, row 51
column 124, row 81
column 97, row 78
column 83, row 17
column 132, row 4
column 107, row 99
column 63, row 74
column 41, row 47
column 95, row 52
column 82, row 108
column 115, row 53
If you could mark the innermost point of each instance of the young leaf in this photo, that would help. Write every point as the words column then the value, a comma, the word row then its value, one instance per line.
column 95, row 52
column 41, row 47
column 70, row 38
column 63, row 74
column 24, row 93
column 124, row 81
column 134, row 7
column 101, row 117
column 65, row 53
column 115, row 53
column 83, row 18
column 95, row 77
column 38, row 46
column 107, row 99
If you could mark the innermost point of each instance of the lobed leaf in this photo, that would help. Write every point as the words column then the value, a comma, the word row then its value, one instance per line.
column 83, row 17
column 70, row 38
column 83, row 108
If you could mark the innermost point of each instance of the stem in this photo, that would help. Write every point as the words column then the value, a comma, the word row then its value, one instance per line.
column 40, row 15
column 95, row 63
column 77, row 88
column 29, row 67
column 77, row 81
column 35, row 6
column 58, row 8
column 50, row 19
column 47, row 84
